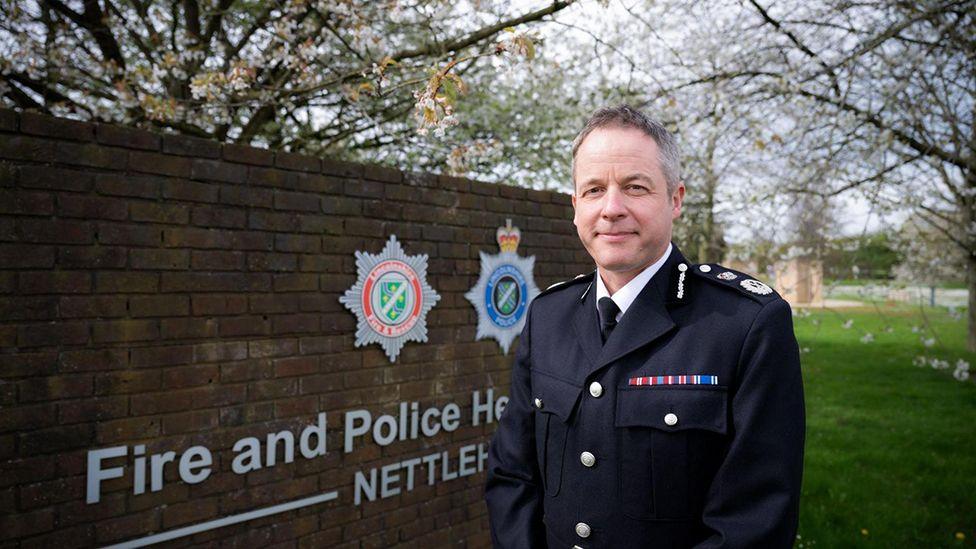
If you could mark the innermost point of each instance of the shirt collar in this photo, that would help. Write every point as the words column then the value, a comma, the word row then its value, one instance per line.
column 625, row 296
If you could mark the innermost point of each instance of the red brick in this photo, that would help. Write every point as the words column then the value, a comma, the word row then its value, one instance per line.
column 55, row 282
column 26, row 203
column 296, row 282
column 61, row 128
column 126, row 282
column 130, row 138
column 284, row 200
column 52, row 334
column 163, row 164
column 124, row 430
column 197, row 510
column 91, row 360
column 128, row 381
column 159, row 305
column 188, row 328
column 20, row 418
column 90, row 154
column 272, row 348
column 218, row 304
column 125, row 330
column 190, row 191
column 52, row 388
column 215, row 282
column 27, row 364
column 93, row 409
column 8, row 120
column 25, row 256
column 318, row 384
column 272, row 389
column 139, row 186
column 295, row 324
column 201, row 260
column 243, row 326
column 132, row 235
column 219, row 352
column 296, row 406
column 56, row 439
column 159, row 259
column 295, row 366
column 258, row 261
column 186, row 145
column 64, row 538
column 20, row 147
column 21, row 525
column 89, row 257
column 299, row 162
column 92, row 306
column 28, row 308
column 190, row 376
column 148, row 357
column 160, row 212
column 247, row 155
column 186, row 422
column 213, row 216
column 341, row 168
column 215, row 170
column 91, row 207
column 128, row 526
column 55, row 231
column 246, row 196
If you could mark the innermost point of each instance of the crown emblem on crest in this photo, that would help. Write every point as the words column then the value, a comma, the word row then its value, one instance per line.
column 508, row 237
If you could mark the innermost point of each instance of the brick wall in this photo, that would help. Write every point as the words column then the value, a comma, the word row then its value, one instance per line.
column 168, row 291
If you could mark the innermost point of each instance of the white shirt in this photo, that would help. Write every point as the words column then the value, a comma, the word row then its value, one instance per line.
column 626, row 295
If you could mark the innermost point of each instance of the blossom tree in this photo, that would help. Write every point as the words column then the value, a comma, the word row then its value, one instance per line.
column 305, row 75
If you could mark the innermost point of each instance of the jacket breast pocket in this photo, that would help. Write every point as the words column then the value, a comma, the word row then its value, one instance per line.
column 554, row 401
column 669, row 444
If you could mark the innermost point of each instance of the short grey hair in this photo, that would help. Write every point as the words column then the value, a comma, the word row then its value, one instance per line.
column 625, row 116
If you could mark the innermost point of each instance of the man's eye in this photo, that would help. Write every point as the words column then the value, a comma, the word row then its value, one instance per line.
column 592, row 191
column 637, row 189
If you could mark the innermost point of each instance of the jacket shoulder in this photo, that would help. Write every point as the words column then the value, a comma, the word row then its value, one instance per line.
column 737, row 281
column 566, row 284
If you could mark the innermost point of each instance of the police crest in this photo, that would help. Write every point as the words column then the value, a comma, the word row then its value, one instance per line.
column 391, row 298
column 504, row 289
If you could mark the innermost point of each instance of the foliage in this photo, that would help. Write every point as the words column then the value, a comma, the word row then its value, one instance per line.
column 306, row 75
column 871, row 256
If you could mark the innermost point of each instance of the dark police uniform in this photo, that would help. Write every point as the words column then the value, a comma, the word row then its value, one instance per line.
column 599, row 447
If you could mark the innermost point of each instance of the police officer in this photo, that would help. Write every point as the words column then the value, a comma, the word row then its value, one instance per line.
column 655, row 402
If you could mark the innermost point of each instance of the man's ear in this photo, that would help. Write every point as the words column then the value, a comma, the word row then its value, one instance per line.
column 676, row 200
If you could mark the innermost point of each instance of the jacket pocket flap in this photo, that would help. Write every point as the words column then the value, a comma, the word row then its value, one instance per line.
column 552, row 395
column 672, row 408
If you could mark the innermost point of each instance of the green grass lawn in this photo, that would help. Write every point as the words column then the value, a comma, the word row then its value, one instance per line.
column 891, row 447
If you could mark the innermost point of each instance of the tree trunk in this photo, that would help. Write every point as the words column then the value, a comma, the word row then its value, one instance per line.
column 971, row 314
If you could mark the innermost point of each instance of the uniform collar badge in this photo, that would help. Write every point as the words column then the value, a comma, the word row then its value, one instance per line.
column 504, row 290
column 391, row 298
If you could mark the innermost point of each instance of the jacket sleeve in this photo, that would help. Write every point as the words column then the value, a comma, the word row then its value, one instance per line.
column 513, row 489
column 754, row 498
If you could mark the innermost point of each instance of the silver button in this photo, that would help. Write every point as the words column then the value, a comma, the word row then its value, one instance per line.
column 538, row 403
column 682, row 267
column 588, row 459
column 582, row 529
column 671, row 419
column 705, row 268
column 596, row 389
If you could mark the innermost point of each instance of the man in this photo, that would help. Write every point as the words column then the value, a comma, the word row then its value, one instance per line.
column 654, row 403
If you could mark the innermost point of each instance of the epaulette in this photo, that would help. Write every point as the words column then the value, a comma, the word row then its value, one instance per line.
column 580, row 279
column 739, row 281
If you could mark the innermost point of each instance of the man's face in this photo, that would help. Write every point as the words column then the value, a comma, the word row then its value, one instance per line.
column 623, row 212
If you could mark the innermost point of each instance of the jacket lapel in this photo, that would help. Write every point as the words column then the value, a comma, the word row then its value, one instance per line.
column 586, row 323
column 646, row 319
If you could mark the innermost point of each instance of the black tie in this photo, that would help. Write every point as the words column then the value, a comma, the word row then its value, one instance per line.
column 608, row 316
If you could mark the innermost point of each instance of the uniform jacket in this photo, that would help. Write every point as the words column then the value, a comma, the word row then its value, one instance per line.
column 671, row 463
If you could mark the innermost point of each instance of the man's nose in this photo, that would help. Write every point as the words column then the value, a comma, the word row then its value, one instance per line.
column 613, row 203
